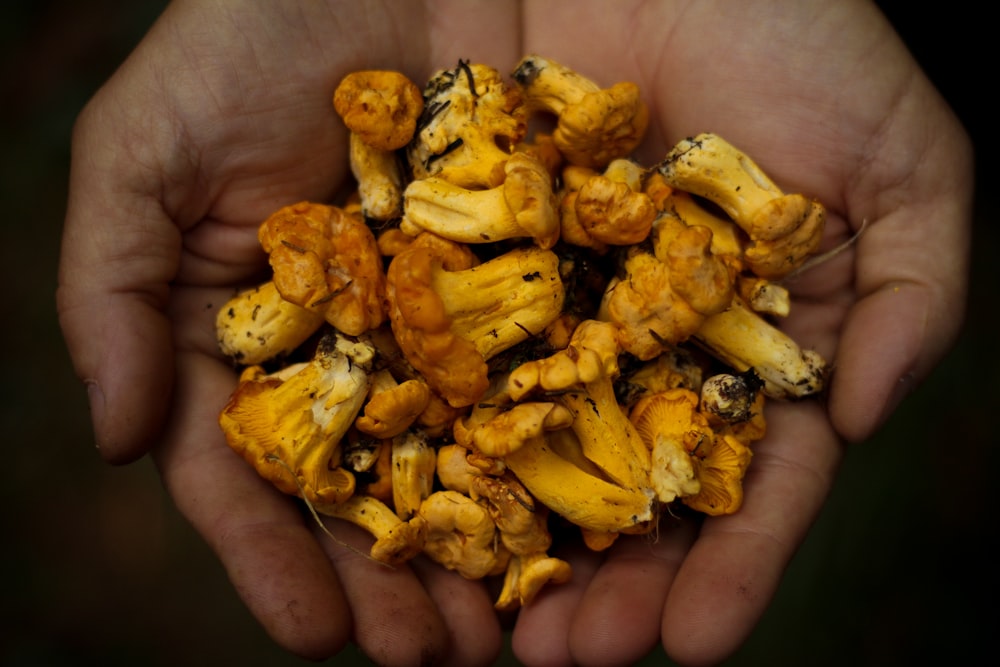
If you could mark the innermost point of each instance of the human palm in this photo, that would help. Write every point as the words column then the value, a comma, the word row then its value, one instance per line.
column 203, row 133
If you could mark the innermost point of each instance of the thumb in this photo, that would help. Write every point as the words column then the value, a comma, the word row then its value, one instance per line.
column 119, row 254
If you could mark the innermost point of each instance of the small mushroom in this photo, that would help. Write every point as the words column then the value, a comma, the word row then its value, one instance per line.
column 392, row 407
column 526, row 576
column 672, row 427
column 720, row 464
column 449, row 320
column 289, row 427
column 522, row 206
column 258, row 324
column 461, row 536
column 784, row 229
column 381, row 107
column 472, row 121
column 413, row 467
column 595, row 125
column 327, row 260
column 396, row 541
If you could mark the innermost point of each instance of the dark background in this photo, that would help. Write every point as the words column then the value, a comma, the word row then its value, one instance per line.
column 98, row 568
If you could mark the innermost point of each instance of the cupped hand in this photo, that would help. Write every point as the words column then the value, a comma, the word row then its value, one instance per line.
column 223, row 114
column 827, row 100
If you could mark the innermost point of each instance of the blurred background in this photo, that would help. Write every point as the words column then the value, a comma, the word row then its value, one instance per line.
column 99, row 569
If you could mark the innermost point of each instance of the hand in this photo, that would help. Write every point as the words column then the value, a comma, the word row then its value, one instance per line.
column 203, row 132
column 829, row 103
column 222, row 115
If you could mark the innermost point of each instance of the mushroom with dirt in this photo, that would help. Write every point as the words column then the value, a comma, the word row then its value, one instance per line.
column 326, row 260
column 289, row 425
column 451, row 315
column 594, row 125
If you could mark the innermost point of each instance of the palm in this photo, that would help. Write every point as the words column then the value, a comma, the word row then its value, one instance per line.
column 239, row 122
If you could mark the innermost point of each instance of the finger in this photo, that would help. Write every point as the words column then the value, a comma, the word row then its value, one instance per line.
column 541, row 632
column 618, row 620
column 269, row 554
column 119, row 253
column 734, row 567
column 395, row 621
column 914, row 187
column 474, row 635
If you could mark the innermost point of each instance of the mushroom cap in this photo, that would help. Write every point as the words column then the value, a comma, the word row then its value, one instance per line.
column 720, row 472
column 388, row 413
column 649, row 315
column 451, row 364
column 289, row 428
column 527, row 575
column 613, row 213
column 522, row 524
column 401, row 543
column 775, row 258
column 472, row 121
column 605, row 125
column 461, row 535
column 592, row 354
column 702, row 279
column 380, row 106
column 509, row 429
column 324, row 258
column 672, row 427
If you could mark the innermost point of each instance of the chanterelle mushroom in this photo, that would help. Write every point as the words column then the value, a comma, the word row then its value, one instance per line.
column 289, row 428
column 523, row 206
column 327, row 260
column 380, row 106
column 595, row 125
column 472, row 121
column 743, row 339
column 449, row 322
column 258, row 324
column 784, row 228
column 396, row 541
column 461, row 535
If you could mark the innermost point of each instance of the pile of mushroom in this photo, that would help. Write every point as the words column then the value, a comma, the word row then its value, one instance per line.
column 503, row 330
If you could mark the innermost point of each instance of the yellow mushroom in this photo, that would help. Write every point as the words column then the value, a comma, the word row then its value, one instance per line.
column 472, row 121
column 526, row 575
column 720, row 464
column 396, row 541
column 522, row 206
column 784, row 229
column 454, row 472
column 743, row 339
column 326, row 260
column 381, row 107
column 449, row 322
column 289, row 427
column 594, row 125
column 392, row 407
column 672, row 427
column 379, row 175
column 413, row 467
column 461, row 535
column 258, row 324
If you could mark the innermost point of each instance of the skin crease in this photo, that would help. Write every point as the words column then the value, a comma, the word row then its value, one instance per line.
column 223, row 114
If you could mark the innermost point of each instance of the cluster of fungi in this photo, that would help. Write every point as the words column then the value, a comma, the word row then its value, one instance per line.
column 504, row 330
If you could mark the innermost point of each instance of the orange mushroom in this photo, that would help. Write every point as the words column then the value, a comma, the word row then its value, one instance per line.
column 326, row 260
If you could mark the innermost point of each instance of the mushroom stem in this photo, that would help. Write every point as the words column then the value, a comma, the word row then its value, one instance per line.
column 744, row 340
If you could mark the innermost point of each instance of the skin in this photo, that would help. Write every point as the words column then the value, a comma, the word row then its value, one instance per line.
column 204, row 132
